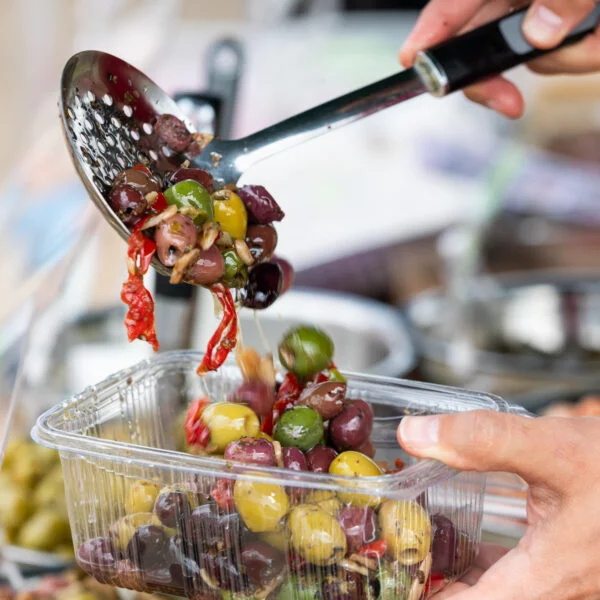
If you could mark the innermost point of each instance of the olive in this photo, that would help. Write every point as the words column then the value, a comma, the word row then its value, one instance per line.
column 359, row 525
column 137, row 179
column 407, row 530
column 230, row 213
column 368, row 448
column 262, row 562
column 259, row 396
column 94, row 554
column 149, row 547
column 294, row 459
column 261, row 206
column 216, row 530
column 225, row 570
column 287, row 271
column 128, row 203
column 121, row 531
column 316, row 535
column 253, row 451
column 208, row 269
column 236, row 272
column 277, row 539
column 261, row 505
column 301, row 427
column 298, row 588
column 141, row 496
column 326, row 398
column 261, row 241
column 174, row 237
column 443, row 546
column 228, row 423
column 263, row 286
column 320, row 458
column 173, row 508
column 15, row 506
column 305, row 351
column 51, row 490
column 44, row 530
column 204, row 178
column 352, row 427
column 326, row 500
column 344, row 585
column 355, row 464
column 173, row 132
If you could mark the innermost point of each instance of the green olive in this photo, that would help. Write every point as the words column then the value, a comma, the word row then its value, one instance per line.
column 122, row 530
column 51, row 489
column 15, row 506
column 301, row 427
column 261, row 505
column 228, row 422
column 141, row 496
column 355, row 464
column 44, row 531
column 305, row 351
column 299, row 588
column 277, row 539
column 192, row 195
column 236, row 272
column 316, row 535
column 394, row 582
column 406, row 528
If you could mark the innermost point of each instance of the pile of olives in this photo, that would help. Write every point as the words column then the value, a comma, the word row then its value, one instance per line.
column 231, row 228
column 33, row 508
column 243, row 537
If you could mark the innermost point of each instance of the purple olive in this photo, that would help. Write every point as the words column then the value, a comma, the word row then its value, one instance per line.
column 261, row 206
column 96, row 555
column 261, row 240
column 173, row 132
column 259, row 396
column 288, row 273
column 253, row 451
column 262, row 562
column 294, row 459
column 263, row 286
column 359, row 524
column 204, row 178
column 172, row 507
column 326, row 398
column 208, row 269
column 319, row 459
column 225, row 570
column 148, row 547
column 368, row 448
column 213, row 529
column 443, row 547
column 174, row 237
column 352, row 427
column 128, row 203
column 138, row 180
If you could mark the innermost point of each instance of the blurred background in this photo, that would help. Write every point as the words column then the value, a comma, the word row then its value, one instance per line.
column 437, row 240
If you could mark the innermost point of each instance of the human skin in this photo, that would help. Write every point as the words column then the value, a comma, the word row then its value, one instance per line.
column 547, row 24
column 559, row 556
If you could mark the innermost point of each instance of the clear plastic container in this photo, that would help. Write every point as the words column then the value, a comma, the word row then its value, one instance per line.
column 284, row 542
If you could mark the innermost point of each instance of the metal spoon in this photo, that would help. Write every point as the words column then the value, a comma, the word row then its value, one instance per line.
column 108, row 108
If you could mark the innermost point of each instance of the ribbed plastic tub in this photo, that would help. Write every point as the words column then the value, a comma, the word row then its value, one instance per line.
column 278, row 537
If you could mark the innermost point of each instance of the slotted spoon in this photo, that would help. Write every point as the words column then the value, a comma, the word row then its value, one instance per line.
column 108, row 108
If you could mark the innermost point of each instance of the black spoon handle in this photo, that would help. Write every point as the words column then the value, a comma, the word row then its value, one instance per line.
column 487, row 51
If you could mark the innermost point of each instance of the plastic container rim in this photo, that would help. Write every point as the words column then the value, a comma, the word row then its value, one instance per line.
column 410, row 481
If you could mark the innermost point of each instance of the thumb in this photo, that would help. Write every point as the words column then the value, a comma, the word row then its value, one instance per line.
column 488, row 441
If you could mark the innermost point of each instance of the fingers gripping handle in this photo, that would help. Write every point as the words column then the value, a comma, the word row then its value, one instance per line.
column 487, row 51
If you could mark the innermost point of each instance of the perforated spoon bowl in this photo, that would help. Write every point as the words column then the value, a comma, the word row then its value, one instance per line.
column 108, row 108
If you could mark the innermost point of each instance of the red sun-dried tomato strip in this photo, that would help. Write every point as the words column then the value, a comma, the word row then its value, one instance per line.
column 196, row 432
column 139, row 319
column 224, row 339
column 222, row 494
column 375, row 549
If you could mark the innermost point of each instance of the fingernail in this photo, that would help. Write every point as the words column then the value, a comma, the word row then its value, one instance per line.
column 543, row 26
column 420, row 433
